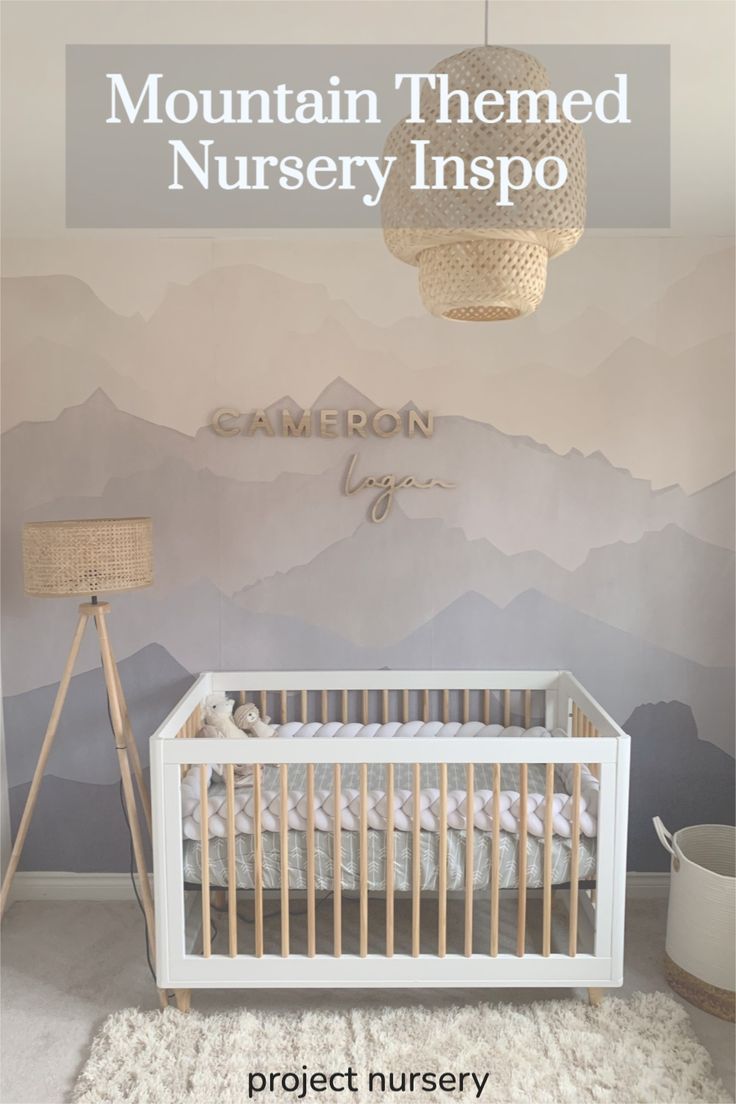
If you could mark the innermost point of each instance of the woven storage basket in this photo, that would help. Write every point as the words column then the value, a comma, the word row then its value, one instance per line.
column 64, row 558
column 478, row 261
column 700, row 951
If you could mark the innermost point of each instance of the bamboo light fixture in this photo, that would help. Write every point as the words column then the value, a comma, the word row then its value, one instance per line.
column 477, row 261
column 66, row 558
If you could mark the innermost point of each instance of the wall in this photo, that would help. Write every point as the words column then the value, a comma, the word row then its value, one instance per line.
column 591, row 526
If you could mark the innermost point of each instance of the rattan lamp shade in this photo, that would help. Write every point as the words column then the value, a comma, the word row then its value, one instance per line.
column 479, row 262
column 64, row 558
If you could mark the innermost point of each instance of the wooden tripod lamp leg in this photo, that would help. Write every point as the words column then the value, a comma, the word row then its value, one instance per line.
column 133, row 755
column 48, row 741
column 116, row 715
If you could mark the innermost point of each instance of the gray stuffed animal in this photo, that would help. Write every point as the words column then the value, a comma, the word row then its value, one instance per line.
column 248, row 718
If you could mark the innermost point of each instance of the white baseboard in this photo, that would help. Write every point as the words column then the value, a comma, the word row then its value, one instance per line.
column 646, row 885
column 61, row 885
column 52, row 885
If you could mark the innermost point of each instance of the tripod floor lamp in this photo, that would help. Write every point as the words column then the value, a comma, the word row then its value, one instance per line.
column 67, row 558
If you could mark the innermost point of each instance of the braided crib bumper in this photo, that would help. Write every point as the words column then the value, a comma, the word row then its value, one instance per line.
column 377, row 806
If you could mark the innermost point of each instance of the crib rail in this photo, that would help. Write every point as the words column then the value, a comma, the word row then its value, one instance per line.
column 591, row 739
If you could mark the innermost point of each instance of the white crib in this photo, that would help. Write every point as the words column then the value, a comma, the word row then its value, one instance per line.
column 568, row 930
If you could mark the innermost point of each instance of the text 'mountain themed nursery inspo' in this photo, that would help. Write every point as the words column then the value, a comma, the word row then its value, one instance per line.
column 572, row 505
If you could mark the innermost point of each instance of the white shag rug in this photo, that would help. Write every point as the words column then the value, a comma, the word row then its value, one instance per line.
column 636, row 1051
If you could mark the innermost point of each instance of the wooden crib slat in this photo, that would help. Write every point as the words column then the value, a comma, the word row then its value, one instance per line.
column 284, row 855
column 445, row 706
column 232, row 889
column 284, row 707
column 366, row 713
column 442, row 858
column 389, row 860
column 363, row 860
column 204, row 834
column 469, row 855
column 522, row 864
column 486, row 707
column 405, row 705
column 466, row 706
column 425, row 705
column 574, row 860
column 257, row 860
column 337, row 863
column 345, row 710
column 547, row 882
column 241, row 697
column 416, row 863
column 263, row 704
column 527, row 709
column 311, row 898
column 507, row 708
column 325, row 707
column 384, row 707
column 305, row 706
column 495, row 858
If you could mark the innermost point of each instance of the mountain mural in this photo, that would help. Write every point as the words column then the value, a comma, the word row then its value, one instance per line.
column 591, row 525
column 592, row 384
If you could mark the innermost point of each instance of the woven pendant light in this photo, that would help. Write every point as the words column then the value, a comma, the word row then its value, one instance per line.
column 479, row 262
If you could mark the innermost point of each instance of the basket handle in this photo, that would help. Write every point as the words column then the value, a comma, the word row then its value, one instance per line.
column 664, row 836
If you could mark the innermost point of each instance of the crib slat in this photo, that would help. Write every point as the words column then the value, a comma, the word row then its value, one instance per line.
column 466, row 706
column 284, row 707
column 547, row 882
column 469, row 855
column 405, row 705
column 204, row 835
column 574, row 860
column 486, row 707
column 363, row 860
column 389, row 860
column 284, row 855
column 425, row 705
column 232, row 899
column 507, row 708
column 305, row 706
column 445, row 706
column 365, row 707
column 416, row 864
column 495, row 858
column 325, row 707
column 442, row 901
column 527, row 709
column 345, row 707
column 384, row 707
column 337, row 863
column 258, row 860
column 311, row 900
column 241, row 697
column 264, row 704
column 521, row 897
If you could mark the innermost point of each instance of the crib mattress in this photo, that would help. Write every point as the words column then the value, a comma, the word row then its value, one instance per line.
column 429, row 845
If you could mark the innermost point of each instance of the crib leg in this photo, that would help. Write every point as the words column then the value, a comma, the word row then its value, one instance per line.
column 183, row 998
column 595, row 996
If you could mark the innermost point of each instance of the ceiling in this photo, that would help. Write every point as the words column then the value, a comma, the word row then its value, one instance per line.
column 699, row 32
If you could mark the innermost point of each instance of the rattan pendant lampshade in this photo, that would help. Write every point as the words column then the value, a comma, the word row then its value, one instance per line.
column 478, row 261
column 98, row 556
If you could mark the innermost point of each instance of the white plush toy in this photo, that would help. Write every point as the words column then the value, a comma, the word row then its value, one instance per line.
column 218, row 712
column 248, row 718
column 217, row 715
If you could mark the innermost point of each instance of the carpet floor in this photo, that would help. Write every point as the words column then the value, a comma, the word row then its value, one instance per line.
column 639, row 1051
column 67, row 965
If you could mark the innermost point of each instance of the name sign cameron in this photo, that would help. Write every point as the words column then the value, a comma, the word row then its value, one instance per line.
column 329, row 424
